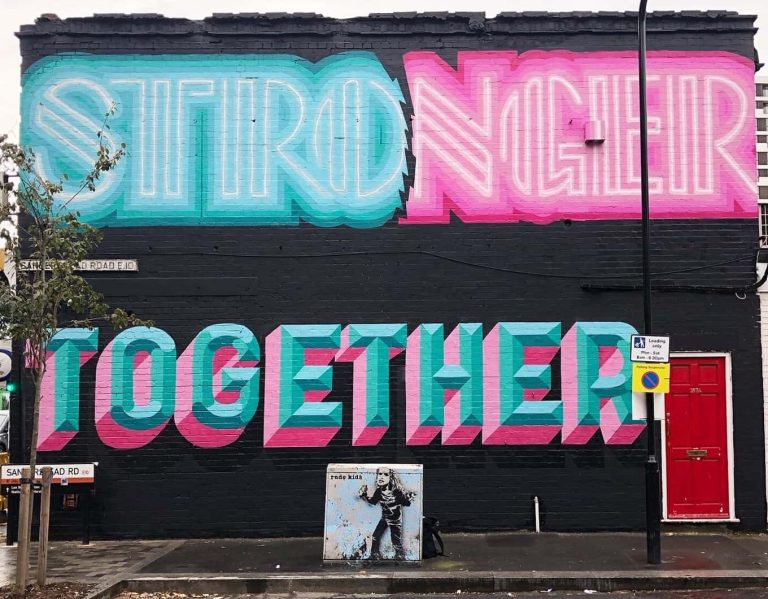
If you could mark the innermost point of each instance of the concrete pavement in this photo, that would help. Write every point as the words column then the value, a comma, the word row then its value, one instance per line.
column 474, row 563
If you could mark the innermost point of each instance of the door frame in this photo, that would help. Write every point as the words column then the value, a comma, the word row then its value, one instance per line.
column 729, row 444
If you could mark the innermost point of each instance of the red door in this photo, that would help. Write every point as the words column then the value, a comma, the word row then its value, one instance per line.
column 697, row 440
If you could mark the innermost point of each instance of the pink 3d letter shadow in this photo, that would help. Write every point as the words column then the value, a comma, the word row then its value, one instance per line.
column 68, row 350
column 135, row 387
column 370, row 347
column 217, row 385
column 297, row 378
column 596, row 384
column 517, row 378
column 444, row 384
column 501, row 137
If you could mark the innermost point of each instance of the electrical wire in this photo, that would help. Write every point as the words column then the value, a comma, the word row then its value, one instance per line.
column 448, row 259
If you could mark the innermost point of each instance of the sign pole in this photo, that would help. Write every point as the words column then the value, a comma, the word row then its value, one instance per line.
column 652, row 486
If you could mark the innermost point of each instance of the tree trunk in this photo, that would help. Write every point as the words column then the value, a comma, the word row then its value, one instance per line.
column 21, row 565
column 39, row 347
column 26, row 525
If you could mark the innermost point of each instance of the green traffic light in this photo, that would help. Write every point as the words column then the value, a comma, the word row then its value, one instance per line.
column 10, row 387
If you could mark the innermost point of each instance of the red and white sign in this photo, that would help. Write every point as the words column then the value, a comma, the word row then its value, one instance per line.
column 10, row 474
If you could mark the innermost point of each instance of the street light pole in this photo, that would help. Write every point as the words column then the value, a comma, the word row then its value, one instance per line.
column 652, row 487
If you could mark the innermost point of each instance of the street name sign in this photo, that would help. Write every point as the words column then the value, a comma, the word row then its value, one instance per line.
column 63, row 474
column 92, row 265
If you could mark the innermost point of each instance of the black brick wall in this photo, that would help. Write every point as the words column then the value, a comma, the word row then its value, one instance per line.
column 191, row 277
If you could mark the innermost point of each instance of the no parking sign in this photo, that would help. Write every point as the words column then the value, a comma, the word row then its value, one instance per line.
column 650, row 378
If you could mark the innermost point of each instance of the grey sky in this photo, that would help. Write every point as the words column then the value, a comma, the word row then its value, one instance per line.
column 15, row 13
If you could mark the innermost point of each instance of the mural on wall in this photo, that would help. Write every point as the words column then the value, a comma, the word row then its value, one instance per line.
column 458, row 385
column 223, row 139
column 502, row 137
column 373, row 512
column 275, row 139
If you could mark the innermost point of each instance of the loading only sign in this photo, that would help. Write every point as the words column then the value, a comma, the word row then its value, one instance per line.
column 649, row 348
column 650, row 378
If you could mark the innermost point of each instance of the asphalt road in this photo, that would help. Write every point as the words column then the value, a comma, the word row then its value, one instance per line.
column 587, row 593
column 711, row 594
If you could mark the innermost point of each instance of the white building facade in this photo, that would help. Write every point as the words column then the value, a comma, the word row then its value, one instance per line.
column 761, row 117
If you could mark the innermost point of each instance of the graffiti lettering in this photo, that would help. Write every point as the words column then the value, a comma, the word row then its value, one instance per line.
column 457, row 386
column 502, row 137
column 67, row 352
column 224, row 139
column 275, row 139
column 217, row 385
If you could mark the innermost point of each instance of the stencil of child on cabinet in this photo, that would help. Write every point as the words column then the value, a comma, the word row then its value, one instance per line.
column 392, row 497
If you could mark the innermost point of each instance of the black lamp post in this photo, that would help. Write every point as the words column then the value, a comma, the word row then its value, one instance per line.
column 652, row 487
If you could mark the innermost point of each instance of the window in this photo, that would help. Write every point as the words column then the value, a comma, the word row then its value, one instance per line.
column 762, row 158
column 764, row 221
column 763, row 193
column 761, row 124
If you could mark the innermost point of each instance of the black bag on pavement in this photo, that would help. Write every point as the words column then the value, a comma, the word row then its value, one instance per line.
column 430, row 538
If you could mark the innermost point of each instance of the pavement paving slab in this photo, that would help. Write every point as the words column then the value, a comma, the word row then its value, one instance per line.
column 481, row 552
column 490, row 562
column 75, row 562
